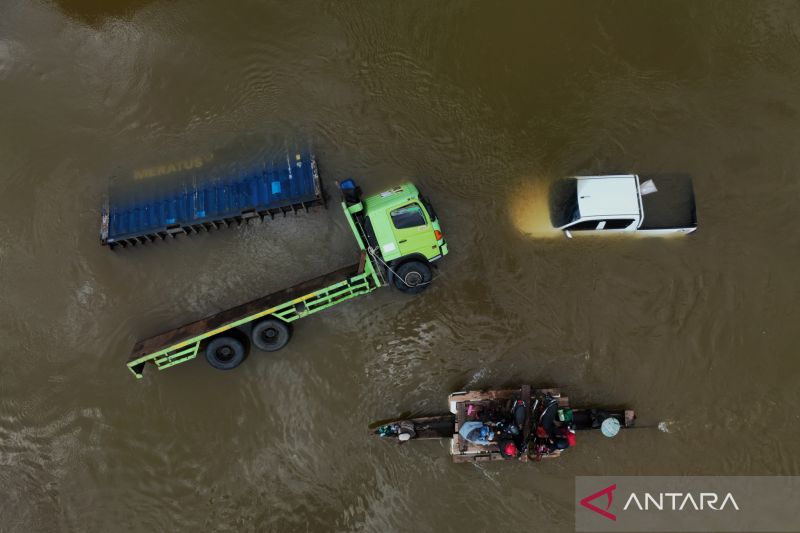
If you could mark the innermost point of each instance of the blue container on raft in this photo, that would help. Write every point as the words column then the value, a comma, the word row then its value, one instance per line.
column 214, row 203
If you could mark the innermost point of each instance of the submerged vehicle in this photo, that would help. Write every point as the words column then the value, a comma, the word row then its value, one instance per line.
column 400, row 240
column 265, row 191
column 661, row 205
column 508, row 424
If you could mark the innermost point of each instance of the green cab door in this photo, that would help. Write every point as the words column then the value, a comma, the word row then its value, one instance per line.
column 413, row 231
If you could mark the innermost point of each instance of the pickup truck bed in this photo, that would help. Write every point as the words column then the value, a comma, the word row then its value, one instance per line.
column 672, row 206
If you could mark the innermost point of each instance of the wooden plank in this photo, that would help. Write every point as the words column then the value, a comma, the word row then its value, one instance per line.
column 468, row 448
column 481, row 458
column 477, row 396
column 461, row 415
column 362, row 262
column 504, row 394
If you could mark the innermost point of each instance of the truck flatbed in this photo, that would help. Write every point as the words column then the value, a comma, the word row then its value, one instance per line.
column 211, row 204
column 177, row 345
column 672, row 205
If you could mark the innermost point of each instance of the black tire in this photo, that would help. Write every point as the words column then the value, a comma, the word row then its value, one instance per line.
column 413, row 277
column 271, row 334
column 225, row 353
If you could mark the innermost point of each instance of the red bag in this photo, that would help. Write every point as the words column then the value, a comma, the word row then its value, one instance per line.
column 571, row 439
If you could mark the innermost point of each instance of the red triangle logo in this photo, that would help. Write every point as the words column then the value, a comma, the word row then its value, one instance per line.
column 609, row 493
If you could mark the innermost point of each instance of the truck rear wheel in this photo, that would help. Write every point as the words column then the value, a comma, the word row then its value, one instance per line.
column 271, row 334
column 413, row 277
column 225, row 353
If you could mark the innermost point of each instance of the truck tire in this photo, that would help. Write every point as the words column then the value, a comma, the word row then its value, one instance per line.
column 413, row 277
column 225, row 353
column 271, row 334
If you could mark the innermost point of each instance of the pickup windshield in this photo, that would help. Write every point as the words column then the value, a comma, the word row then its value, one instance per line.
column 564, row 202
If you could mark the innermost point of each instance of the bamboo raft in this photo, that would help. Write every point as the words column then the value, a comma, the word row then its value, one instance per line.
column 495, row 407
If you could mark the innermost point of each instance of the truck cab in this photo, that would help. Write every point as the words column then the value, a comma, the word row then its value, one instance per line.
column 622, row 204
column 400, row 231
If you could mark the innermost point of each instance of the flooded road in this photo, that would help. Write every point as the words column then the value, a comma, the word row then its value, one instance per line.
column 483, row 105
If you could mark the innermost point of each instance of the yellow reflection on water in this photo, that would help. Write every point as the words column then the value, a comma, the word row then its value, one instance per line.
column 530, row 210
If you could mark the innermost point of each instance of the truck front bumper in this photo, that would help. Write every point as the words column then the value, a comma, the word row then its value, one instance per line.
column 442, row 252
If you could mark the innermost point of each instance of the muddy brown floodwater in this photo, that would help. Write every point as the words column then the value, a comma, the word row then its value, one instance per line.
column 483, row 104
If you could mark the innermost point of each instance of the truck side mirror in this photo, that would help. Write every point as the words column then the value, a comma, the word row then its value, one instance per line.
column 567, row 234
column 351, row 192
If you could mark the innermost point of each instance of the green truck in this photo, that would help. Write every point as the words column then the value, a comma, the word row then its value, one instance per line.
column 398, row 234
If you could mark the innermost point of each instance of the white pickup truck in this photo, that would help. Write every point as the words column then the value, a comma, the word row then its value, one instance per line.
column 661, row 205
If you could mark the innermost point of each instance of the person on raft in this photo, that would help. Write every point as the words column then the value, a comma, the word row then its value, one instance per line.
column 505, row 433
column 477, row 432
column 508, row 448
column 553, row 436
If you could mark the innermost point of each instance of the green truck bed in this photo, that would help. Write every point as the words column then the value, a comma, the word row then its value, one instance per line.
column 183, row 343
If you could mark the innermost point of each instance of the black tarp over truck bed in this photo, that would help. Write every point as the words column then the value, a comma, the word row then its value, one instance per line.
column 672, row 206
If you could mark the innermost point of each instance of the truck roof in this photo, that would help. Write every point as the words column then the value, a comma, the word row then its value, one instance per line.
column 600, row 196
column 391, row 197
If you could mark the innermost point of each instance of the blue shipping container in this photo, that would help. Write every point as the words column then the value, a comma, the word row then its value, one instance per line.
column 213, row 204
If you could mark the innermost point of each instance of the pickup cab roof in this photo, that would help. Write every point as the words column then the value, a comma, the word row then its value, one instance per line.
column 604, row 196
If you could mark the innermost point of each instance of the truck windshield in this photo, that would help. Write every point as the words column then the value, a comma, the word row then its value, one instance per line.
column 408, row 217
column 564, row 202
